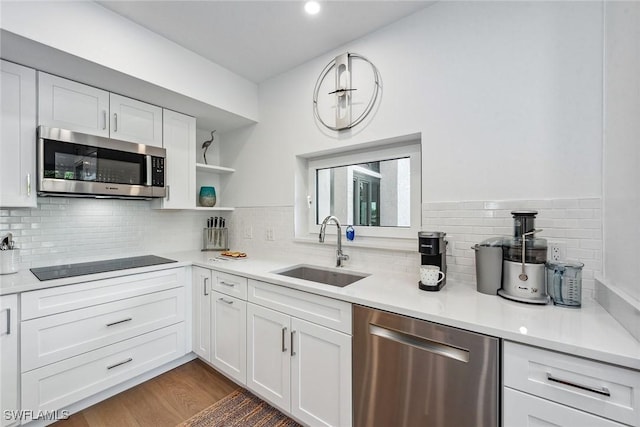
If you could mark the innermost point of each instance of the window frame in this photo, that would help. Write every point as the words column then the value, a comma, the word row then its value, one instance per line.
column 398, row 148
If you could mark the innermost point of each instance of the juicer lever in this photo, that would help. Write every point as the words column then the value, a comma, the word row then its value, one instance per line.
column 523, row 276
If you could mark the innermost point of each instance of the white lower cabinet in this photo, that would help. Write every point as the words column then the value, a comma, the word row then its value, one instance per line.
column 299, row 366
column 228, row 335
column 9, row 374
column 524, row 410
column 320, row 374
column 60, row 384
column 291, row 348
column 52, row 338
column 268, row 355
column 544, row 387
column 201, row 334
column 79, row 340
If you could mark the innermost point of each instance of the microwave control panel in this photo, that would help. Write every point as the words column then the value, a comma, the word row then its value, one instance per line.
column 157, row 171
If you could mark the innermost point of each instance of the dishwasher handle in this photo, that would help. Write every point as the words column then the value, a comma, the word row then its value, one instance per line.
column 420, row 343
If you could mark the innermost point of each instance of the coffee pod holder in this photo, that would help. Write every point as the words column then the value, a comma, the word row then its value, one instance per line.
column 215, row 239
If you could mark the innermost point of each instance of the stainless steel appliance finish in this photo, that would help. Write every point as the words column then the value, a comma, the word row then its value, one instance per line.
column 488, row 265
column 409, row 372
column 533, row 290
column 73, row 164
column 529, row 254
column 322, row 275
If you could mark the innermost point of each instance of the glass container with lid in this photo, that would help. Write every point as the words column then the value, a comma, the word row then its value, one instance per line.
column 535, row 251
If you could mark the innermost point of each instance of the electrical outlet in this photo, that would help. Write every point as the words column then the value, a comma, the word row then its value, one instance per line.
column 557, row 251
column 269, row 234
column 248, row 232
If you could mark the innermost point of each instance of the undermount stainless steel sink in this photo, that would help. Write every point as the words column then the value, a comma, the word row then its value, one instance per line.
column 327, row 276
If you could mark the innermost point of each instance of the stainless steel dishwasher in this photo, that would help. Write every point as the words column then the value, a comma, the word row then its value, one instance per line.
column 409, row 372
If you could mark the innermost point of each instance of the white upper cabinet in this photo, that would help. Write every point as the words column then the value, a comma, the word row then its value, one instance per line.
column 135, row 121
column 77, row 107
column 179, row 133
column 18, row 136
column 70, row 105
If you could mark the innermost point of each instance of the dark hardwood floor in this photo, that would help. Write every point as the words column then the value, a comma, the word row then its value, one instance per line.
column 166, row 400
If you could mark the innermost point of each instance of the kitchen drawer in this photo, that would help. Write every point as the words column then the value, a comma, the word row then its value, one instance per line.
column 49, row 301
column 53, row 338
column 230, row 284
column 608, row 391
column 524, row 410
column 317, row 309
column 60, row 384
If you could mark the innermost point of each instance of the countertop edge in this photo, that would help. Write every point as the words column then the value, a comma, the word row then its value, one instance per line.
column 343, row 294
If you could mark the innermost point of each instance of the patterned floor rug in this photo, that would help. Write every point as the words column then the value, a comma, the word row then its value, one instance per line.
column 240, row 409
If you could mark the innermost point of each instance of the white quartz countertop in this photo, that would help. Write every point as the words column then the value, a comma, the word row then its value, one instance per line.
column 588, row 331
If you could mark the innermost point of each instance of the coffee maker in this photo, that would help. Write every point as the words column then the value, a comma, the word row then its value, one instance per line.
column 433, row 251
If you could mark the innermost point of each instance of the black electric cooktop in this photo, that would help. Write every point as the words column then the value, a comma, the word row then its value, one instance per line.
column 80, row 269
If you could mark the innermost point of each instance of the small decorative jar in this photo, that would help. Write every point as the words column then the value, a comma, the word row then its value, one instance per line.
column 207, row 197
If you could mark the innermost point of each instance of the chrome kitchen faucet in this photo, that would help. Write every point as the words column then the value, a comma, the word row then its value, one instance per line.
column 339, row 255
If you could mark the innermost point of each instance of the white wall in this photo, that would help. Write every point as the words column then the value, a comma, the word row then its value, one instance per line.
column 621, row 193
column 507, row 97
column 89, row 31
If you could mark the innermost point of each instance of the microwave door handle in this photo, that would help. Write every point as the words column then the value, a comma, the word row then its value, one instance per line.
column 148, row 170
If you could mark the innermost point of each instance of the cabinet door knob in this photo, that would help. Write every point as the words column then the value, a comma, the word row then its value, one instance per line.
column 284, row 332
column 293, row 353
column 206, row 279
column 29, row 185
column 104, row 119
column 115, row 122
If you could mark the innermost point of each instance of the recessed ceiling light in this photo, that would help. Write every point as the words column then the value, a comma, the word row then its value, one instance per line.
column 312, row 7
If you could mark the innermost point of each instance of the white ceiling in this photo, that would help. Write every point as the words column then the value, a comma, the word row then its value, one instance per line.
column 261, row 39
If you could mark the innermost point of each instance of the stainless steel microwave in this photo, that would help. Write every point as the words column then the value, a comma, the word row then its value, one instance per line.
column 73, row 164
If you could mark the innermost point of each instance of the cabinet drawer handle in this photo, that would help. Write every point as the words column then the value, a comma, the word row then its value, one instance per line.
column 225, row 301
column 128, row 319
column 284, row 332
column 115, row 122
column 8, row 310
column 231, row 285
column 598, row 390
column 293, row 353
column 120, row 363
column 104, row 119
column 206, row 279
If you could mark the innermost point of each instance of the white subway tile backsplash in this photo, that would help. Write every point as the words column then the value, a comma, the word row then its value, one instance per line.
column 62, row 230
column 65, row 230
